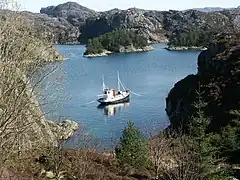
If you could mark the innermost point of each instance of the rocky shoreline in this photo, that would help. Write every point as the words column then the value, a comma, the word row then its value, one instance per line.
column 184, row 48
column 104, row 53
column 128, row 49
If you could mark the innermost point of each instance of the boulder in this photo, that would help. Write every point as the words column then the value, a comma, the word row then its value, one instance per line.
column 63, row 130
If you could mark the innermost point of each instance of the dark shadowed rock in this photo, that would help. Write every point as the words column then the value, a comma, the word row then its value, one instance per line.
column 219, row 78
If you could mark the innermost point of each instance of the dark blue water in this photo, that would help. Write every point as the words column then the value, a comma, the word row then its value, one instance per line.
column 150, row 74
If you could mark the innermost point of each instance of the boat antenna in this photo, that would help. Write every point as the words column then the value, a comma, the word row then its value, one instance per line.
column 118, row 81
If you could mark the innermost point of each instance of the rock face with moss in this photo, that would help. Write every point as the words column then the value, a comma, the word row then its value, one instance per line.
column 218, row 79
column 116, row 42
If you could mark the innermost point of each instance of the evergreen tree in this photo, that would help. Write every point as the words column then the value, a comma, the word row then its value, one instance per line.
column 133, row 148
column 228, row 140
column 202, row 143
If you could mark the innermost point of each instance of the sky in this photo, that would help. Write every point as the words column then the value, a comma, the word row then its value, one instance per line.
column 102, row 5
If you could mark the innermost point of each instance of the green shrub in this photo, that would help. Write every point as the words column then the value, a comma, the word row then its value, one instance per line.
column 133, row 148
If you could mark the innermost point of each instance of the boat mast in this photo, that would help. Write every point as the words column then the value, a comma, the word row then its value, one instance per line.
column 118, row 81
column 122, row 85
column 103, row 83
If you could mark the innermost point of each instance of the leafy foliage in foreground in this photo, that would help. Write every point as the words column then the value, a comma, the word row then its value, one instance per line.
column 112, row 41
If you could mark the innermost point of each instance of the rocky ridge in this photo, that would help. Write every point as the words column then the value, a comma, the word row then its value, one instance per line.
column 70, row 11
column 218, row 79
column 73, row 23
column 153, row 25
column 212, row 9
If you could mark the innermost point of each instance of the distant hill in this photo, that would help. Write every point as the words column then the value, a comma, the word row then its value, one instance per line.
column 212, row 9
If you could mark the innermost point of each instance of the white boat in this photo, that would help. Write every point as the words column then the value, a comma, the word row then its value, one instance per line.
column 113, row 96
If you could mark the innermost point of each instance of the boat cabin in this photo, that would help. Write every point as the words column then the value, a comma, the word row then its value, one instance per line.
column 110, row 93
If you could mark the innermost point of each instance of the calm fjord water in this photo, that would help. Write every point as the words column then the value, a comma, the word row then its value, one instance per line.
column 150, row 74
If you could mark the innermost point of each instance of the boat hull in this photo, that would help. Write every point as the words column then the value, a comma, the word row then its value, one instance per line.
column 125, row 99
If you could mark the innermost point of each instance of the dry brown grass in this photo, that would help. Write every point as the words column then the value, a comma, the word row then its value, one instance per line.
column 71, row 165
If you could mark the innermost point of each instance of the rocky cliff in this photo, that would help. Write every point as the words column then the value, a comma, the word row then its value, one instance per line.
column 218, row 79
column 58, row 29
column 146, row 23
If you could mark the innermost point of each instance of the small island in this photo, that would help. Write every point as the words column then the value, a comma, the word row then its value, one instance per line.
column 192, row 39
column 121, row 41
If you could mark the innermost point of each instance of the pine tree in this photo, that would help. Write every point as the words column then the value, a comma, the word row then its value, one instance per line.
column 207, row 163
column 133, row 147
column 229, row 139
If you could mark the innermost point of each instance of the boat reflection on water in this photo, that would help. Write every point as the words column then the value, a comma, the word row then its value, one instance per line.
column 113, row 109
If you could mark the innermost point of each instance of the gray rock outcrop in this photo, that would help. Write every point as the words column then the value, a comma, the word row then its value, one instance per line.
column 63, row 130
column 58, row 29
column 146, row 23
